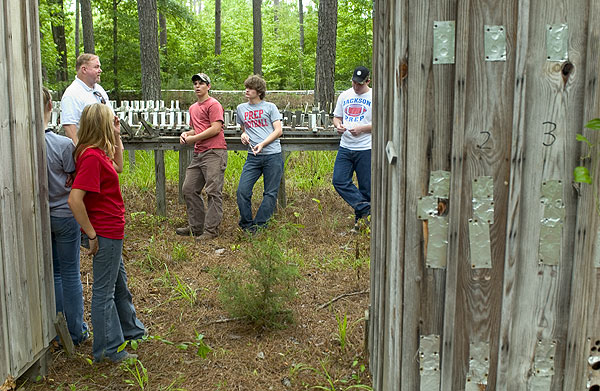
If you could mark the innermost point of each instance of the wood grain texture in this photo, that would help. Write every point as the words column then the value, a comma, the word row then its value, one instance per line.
column 379, row 195
column 585, row 301
column 429, row 111
column 7, row 243
column 536, row 297
column 26, row 284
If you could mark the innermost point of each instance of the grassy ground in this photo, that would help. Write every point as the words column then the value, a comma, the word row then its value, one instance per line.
column 175, row 285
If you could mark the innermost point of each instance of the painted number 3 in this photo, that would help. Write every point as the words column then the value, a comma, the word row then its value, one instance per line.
column 550, row 133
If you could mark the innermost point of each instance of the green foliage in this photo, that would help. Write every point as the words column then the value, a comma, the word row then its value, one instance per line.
column 260, row 291
column 190, row 44
column 581, row 174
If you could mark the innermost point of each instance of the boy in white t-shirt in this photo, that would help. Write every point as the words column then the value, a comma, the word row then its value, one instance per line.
column 352, row 118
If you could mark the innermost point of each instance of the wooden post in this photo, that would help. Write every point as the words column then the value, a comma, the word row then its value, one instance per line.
column 161, row 182
column 281, row 195
column 185, row 157
column 63, row 333
column 131, row 154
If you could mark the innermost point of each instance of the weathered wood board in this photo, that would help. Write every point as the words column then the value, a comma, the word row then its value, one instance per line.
column 526, row 318
column 26, row 286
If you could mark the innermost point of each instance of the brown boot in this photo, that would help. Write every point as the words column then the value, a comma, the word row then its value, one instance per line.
column 207, row 236
column 187, row 231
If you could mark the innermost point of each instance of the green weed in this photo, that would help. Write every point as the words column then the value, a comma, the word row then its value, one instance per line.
column 342, row 324
column 179, row 253
column 137, row 371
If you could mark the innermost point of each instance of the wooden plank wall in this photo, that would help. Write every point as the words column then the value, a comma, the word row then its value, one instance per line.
column 26, row 286
column 515, row 121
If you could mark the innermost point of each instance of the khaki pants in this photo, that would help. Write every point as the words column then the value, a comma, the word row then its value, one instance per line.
column 206, row 171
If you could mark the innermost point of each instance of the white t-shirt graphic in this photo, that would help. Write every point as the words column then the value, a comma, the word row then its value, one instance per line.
column 355, row 110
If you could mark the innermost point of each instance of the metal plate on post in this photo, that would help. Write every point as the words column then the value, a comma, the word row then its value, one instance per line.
column 429, row 359
column 551, row 222
column 483, row 199
column 443, row 42
column 437, row 242
column 557, row 42
column 597, row 254
column 495, row 43
column 479, row 364
column 543, row 364
column 479, row 243
column 550, row 244
column 427, row 207
column 439, row 184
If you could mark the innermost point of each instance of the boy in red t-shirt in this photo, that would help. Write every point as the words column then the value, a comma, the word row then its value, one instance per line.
column 207, row 169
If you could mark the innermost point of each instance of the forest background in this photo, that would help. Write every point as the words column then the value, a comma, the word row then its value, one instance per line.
column 189, row 41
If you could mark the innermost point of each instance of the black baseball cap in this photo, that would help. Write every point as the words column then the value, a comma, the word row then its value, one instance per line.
column 203, row 77
column 361, row 74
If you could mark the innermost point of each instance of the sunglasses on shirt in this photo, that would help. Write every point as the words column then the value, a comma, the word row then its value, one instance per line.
column 99, row 95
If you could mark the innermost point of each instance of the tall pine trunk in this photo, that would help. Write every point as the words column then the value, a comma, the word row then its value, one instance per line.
column 301, row 21
column 257, row 35
column 115, row 39
column 58, row 35
column 275, row 16
column 217, row 27
column 87, row 24
column 162, row 22
column 326, row 41
column 149, row 56
column 77, row 18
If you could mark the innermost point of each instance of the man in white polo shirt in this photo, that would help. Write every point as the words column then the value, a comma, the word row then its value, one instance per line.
column 84, row 91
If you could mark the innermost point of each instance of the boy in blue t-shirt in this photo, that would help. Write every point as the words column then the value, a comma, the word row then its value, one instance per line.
column 261, row 124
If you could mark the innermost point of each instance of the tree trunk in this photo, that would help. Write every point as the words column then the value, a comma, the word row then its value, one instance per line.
column 257, row 35
column 58, row 35
column 116, row 87
column 162, row 21
column 275, row 17
column 217, row 27
column 149, row 57
column 301, row 21
column 87, row 24
column 77, row 18
column 325, row 62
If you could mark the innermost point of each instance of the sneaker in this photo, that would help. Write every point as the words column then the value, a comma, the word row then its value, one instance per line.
column 187, row 231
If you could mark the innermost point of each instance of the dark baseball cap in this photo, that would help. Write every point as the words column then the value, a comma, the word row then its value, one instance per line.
column 203, row 77
column 361, row 74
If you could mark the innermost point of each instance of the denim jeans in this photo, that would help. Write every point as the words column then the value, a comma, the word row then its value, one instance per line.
column 346, row 163
column 206, row 171
column 68, row 291
column 271, row 167
column 113, row 314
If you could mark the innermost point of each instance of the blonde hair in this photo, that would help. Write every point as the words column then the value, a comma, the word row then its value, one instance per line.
column 96, row 130
column 47, row 99
column 84, row 59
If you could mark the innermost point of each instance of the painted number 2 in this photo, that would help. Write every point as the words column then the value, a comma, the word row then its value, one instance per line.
column 488, row 135
column 550, row 133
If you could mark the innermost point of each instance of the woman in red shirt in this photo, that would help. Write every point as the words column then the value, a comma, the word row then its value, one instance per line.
column 98, row 207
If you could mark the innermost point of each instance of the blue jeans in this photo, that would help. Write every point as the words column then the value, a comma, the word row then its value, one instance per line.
column 68, row 291
column 113, row 314
column 346, row 163
column 271, row 167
